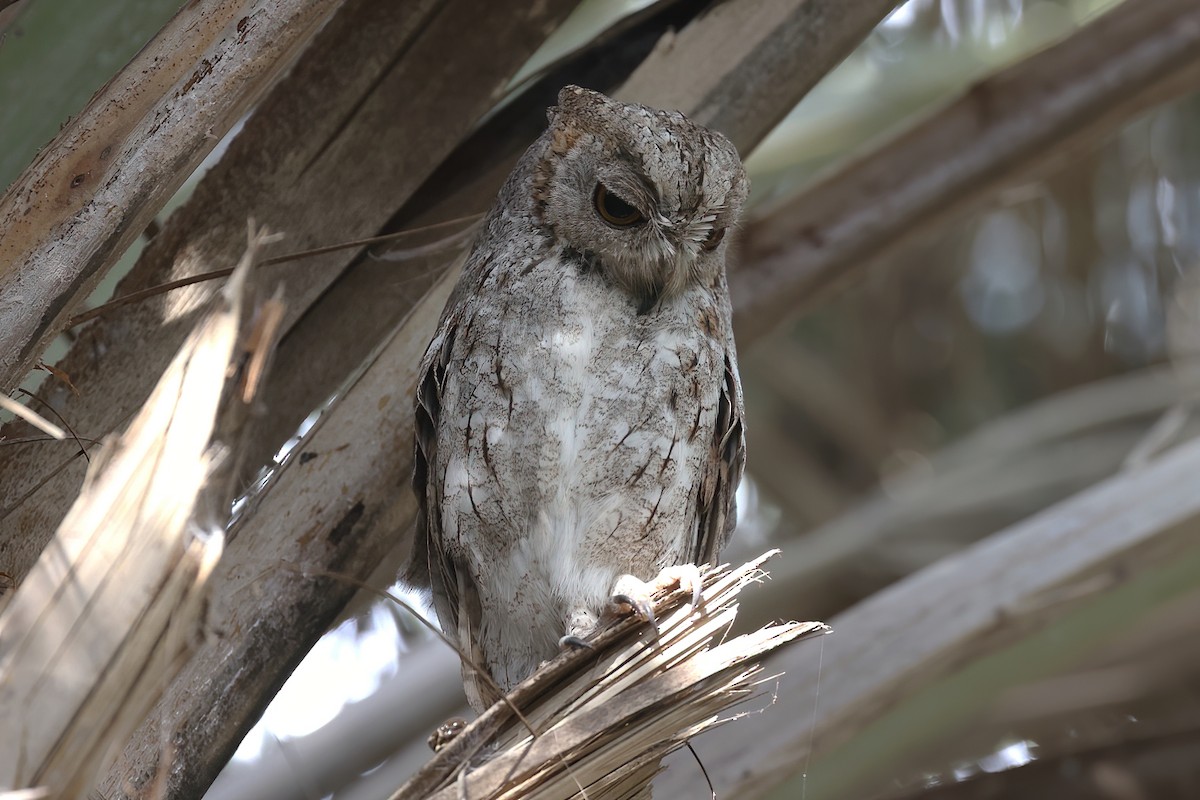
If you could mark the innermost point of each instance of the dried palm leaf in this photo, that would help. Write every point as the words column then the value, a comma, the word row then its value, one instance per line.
column 596, row 723
column 91, row 638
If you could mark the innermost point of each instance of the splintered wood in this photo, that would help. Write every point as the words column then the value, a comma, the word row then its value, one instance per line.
column 596, row 723
column 94, row 634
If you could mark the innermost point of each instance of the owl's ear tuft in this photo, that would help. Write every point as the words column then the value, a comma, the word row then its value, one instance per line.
column 571, row 93
column 563, row 138
column 576, row 99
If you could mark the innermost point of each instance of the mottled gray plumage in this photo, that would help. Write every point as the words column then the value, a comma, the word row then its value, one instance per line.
column 579, row 418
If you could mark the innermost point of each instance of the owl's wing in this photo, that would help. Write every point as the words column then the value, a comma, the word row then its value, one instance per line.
column 717, row 512
column 426, row 565
column 455, row 597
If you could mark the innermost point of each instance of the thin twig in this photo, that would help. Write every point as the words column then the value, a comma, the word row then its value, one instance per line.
column 62, row 419
column 163, row 288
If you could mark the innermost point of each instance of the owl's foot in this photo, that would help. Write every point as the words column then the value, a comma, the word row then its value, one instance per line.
column 639, row 595
column 630, row 593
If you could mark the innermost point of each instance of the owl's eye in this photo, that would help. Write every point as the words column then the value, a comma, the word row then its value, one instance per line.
column 713, row 239
column 614, row 210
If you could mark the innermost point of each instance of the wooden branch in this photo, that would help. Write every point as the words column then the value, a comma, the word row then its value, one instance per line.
column 1121, row 706
column 93, row 189
column 1162, row 765
column 1002, row 131
column 299, row 166
column 913, row 634
column 1000, row 473
column 742, row 67
column 603, row 717
column 109, row 613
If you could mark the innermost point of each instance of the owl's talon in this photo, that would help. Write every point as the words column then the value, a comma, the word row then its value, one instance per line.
column 571, row 642
column 639, row 595
column 640, row 603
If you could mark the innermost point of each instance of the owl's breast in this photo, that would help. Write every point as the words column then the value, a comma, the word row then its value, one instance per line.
column 573, row 431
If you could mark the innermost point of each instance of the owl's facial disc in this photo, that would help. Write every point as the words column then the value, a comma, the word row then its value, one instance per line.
column 651, row 241
column 647, row 195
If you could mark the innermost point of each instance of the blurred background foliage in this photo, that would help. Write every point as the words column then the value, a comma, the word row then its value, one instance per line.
column 1072, row 298
column 1058, row 284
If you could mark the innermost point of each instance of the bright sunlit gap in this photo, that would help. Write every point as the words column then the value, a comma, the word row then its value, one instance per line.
column 345, row 666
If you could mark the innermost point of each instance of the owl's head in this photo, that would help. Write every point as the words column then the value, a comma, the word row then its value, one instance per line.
column 646, row 195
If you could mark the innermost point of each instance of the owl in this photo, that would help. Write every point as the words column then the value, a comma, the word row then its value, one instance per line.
column 579, row 413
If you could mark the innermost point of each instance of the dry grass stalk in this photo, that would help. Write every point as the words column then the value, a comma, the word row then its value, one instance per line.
column 605, row 718
column 93, row 635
